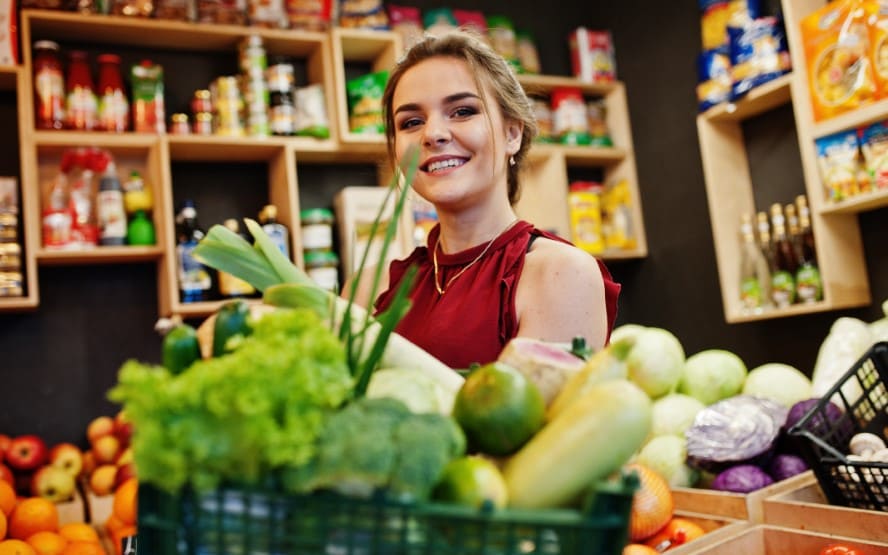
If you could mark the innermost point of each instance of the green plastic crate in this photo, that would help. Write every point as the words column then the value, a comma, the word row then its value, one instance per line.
column 235, row 521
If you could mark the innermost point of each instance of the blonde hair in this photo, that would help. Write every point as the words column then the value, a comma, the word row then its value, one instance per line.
column 484, row 64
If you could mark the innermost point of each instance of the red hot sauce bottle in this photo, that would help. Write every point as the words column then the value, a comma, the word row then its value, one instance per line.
column 49, row 86
column 113, row 111
column 81, row 108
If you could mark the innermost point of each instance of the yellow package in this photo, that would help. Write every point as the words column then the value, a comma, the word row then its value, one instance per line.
column 717, row 15
column 616, row 208
column 584, row 200
column 878, row 35
column 837, row 57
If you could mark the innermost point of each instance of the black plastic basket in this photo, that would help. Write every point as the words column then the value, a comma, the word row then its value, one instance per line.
column 862, row 395
column 234, row 521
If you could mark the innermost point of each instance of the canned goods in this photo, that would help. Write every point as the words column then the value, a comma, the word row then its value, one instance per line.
column 280, row 77
column 203, row 123
column 317, row 229
column 201, row 102
column 323, row 268
column 179, row 125
column 225, row 87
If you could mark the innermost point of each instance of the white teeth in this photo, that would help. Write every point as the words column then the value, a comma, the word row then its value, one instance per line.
column 449, row 163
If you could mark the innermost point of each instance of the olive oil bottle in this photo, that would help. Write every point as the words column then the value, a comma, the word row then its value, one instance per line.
column 755, row 274
column 809, row 285
column 783, row 288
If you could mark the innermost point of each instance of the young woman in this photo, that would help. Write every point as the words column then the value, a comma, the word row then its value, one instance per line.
column 485, row 276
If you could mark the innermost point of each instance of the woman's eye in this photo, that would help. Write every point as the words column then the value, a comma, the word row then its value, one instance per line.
column 464, row 111
column 409, row 122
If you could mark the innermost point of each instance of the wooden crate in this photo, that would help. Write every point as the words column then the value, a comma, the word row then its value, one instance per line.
column 736, row 506
column 717, row 530
column 764, row 539
column 806, row 508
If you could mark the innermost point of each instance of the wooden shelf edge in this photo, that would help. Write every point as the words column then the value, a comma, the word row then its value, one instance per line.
column 617, row 256
column 202, row 309
column 857, row 203
column 98, row 255
column 112, row 141
column 860, row 117
column 794, row 310
column 544, row 83
column 579, row 155
column 759, row 100
column 18, row 304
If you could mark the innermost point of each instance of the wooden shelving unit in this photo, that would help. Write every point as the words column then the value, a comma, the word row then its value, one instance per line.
column 325, row 57
column 730, row 189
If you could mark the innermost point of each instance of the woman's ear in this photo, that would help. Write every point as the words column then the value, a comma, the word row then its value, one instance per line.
column 514, row 134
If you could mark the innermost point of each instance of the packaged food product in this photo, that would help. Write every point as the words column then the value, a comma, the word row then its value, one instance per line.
column 717, row 15
column 438, row 20
column 501, row 32
column 714, row 78
column 838, row 162
column 616, row 213
column 874, row 148
column 149, row 115
column 270, row 14
column 592, row 55
column 365, row 103
column 840, row 73
column 584, row 202
column 363, row 14
column 543, row 112
column 231, row 12
column 178, row 10
column 599, row 134
column 407, row 22
column 528, row 57
column 113, row 107
column 878, row 35
column 134, row 8
column 570, row 122
column 758, row 54
column 311, row 112
column 9, row 39
column 471, row 19
column 49, row 86
column 310, row 15
column 81, row 105
column 8, row 195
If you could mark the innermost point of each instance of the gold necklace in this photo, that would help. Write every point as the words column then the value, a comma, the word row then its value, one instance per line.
column 442, row 288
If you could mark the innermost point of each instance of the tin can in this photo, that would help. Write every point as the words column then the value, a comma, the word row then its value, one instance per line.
column 179, row 124
column 201, row 102
column 203, row 123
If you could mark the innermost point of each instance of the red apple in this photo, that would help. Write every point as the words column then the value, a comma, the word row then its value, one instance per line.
column 123, row 428
column 98, row 427
column 124, row 473
column 27, row 452
column 68, row 457
column 5, row 440
column 89, row 462
column 101, row 481
column 6, row 474
column 53, row 483
column 106, row 449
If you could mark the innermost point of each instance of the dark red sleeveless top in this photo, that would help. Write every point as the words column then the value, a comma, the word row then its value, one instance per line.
column 475, row 317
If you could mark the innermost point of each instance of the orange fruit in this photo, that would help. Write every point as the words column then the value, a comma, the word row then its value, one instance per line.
column 113, row 523
column 124, row 532
column 652, row 504
column 677, row 531
column 32, row 515
column 16, row 547
column 47, row 543
column 639, row 549
column 84, row 548
column 7, row 498
column 78, row 532
column 2, row 525
column 125, row 503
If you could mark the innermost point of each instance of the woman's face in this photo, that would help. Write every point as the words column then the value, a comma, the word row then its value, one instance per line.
column 463, row 150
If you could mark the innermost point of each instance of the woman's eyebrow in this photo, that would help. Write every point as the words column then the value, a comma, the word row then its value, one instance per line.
column 456, row 97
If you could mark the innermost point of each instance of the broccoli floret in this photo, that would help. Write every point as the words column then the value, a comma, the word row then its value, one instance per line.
column 427, row 442
column 374, row 444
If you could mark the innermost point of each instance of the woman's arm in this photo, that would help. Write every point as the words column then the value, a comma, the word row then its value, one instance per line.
column 560, row 295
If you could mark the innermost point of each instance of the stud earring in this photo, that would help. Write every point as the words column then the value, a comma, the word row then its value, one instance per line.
column 512, row 160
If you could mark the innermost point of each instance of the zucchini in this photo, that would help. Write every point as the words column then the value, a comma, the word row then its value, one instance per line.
column 231, row 321
column 180, row 348
column 592, row 438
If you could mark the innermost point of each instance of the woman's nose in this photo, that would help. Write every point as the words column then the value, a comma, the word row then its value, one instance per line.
column 436, row 132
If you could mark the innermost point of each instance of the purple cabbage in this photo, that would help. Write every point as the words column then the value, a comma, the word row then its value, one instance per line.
column 785, row 466
column 742, row 478
column 738, row 430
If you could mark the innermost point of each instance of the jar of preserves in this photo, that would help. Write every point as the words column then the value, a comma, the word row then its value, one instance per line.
column 203, row 123
column 317, row 229
column 323, row 268
column 179, row 124
column 201, row 102
column 49, row 86
column 113, row 104
column 81, row 106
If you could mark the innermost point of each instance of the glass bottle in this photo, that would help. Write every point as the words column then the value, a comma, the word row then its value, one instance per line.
column 809, row 284
column 113, row 108
column 49, row 86
column 81, row 107
column 783, row 289
column 195, row 282
column 276, row 231
column 110, row 210
column 755, row 275
column 229, row 285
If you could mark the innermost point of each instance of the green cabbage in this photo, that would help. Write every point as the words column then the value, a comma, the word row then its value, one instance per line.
column 778, row 382
column 666, row 456
column 415, row 389
column 655, row 361
column 674, row 413
column 712, row 375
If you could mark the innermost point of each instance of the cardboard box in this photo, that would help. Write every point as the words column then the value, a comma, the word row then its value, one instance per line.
column 592, row 56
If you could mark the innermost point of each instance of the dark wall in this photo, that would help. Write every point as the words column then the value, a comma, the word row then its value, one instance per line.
column 57, row 363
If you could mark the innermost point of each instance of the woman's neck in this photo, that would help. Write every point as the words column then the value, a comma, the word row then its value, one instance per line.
column 461, row 232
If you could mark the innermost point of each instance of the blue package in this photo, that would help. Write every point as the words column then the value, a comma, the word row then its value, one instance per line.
column 838, row 160
column 758, row 54
column 713, row 78
column 717, row 15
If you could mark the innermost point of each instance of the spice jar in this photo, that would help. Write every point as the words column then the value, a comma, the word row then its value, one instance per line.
column 49, row 86
column 317, row 229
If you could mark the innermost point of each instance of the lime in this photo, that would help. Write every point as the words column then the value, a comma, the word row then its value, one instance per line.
column 472, row 481
column 498, row 409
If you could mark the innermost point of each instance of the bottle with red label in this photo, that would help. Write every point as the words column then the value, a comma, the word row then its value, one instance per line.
column 81, row 107
column 113, row 107
column 49, row 86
